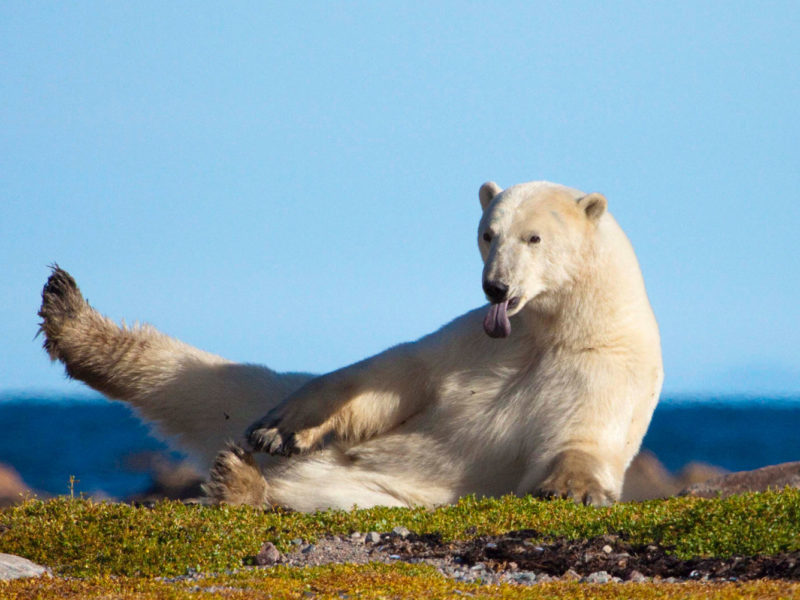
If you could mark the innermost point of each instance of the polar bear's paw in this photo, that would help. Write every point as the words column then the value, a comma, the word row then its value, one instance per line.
column 236, row 479
column 274, row 434
column 573, row 475
column 62, row 302
column 271, row 440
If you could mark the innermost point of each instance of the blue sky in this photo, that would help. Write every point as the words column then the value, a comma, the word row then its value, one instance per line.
column 295, row 184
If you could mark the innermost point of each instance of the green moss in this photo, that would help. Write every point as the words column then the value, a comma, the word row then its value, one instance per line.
column 85, row 538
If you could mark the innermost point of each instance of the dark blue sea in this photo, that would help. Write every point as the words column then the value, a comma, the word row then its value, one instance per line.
column 101, row 444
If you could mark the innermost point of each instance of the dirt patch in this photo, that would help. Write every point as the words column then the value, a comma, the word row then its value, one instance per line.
column 514, row 558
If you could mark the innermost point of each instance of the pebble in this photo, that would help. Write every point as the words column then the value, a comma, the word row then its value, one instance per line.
column 373, row 537
column 401, row 531
column 356, row 535
column 607, row 549
column 636, row 577
column 523, row 577
column 571, row 575
column 16, row 567
column 307, row 549
column 297, row 541
column 268, row 555
column 597, row 577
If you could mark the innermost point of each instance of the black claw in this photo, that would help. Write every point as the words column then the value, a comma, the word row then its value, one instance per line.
column 256, row 441
column 276, row 445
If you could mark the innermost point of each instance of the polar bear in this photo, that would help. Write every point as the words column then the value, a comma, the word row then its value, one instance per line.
column 547, row 390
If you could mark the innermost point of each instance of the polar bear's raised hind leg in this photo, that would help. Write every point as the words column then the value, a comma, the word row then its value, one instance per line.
column 120, row 362
column 82, row 339
column 196, row 399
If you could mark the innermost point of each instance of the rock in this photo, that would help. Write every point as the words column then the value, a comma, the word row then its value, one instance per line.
column 373, row 537
column 172, row 480
column 698, row 472
column 12, row 489
column 646, row 479
column 268, row 555
column 607, row 549
column 597, row 577
column 523, row 577
column 16, row 567
column 571, row 575
column 774, row 477
column 401, row 531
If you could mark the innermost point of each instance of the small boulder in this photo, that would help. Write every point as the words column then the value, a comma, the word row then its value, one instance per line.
column 774, row 477
column 16, row 567
column 268, row 555
column 597, row 577
column 571, row 575
column 12, row 489
column 401, row 531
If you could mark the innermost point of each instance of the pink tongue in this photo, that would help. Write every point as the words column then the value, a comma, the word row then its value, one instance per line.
column 496, row 323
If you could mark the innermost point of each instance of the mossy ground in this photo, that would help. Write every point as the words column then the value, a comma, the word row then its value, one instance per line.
column 102, row 549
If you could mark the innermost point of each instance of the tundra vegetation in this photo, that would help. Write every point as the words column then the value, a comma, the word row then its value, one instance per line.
column 104, row 549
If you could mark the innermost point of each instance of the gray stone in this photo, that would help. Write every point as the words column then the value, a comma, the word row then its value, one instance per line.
column 373, row 537
column 607, row 549
column 16, row 567
column 571, row 575
column 401, row 531
column 523, row 577
column 636, row 577
column 597, row 577
column 268, row 555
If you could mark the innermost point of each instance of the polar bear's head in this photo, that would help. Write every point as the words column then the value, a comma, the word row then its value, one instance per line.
column 533, row 240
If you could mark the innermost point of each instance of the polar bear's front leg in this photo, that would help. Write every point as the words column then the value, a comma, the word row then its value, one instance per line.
column 302, row 420
column 579, row 476
column 352, row 404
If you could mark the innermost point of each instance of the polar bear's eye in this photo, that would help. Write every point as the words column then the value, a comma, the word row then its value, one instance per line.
column 487, row 237
column 534, row 239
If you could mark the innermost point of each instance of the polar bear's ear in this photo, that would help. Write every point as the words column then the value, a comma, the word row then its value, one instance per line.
column 594, row 205
column 487, row 192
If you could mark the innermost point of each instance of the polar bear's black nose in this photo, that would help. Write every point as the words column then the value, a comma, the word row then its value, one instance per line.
column 495, row 291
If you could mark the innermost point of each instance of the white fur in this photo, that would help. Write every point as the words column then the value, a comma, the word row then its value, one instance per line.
column 455, row 412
